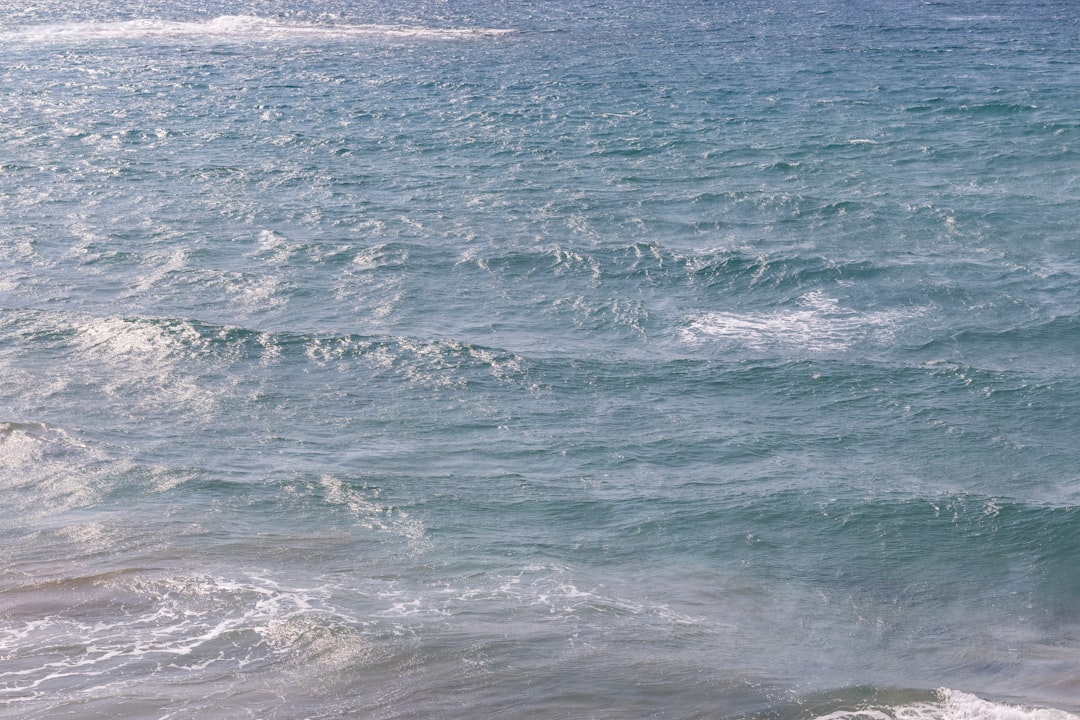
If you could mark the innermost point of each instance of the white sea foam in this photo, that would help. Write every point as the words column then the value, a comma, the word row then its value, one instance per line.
column 975, row 18
column 275, row 248
column 148, row 363
column 145, row 341
column 45, row 470
column 239, row 28
column 953, row 705
column 372, row 283
column 255, row 292
column 435, row 364
column 364, row 506
column 554, row 591
column 817, row 324
column 99, row 628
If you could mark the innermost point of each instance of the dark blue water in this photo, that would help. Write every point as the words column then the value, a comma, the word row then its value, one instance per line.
column 485, row 360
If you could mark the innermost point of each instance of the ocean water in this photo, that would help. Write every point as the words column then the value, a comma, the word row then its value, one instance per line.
column 566, row 359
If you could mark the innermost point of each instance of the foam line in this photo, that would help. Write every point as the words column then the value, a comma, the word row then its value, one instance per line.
column 234, row 27
column 953, row 705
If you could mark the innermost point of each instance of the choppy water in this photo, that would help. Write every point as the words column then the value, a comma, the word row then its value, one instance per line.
column 567, row 360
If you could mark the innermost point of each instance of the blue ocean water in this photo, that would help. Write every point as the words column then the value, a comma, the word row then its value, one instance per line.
column 477, row 359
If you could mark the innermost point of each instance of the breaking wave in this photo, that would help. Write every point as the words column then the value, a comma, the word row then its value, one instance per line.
column 238, row 28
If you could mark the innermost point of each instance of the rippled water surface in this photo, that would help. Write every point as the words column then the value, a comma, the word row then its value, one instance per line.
column 568, row 360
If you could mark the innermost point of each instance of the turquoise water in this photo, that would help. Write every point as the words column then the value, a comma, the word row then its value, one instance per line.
column 568, row 360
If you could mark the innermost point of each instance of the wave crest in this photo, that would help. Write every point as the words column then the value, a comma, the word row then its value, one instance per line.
column 817, row 324
column 952, row 705
column 236, row 28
